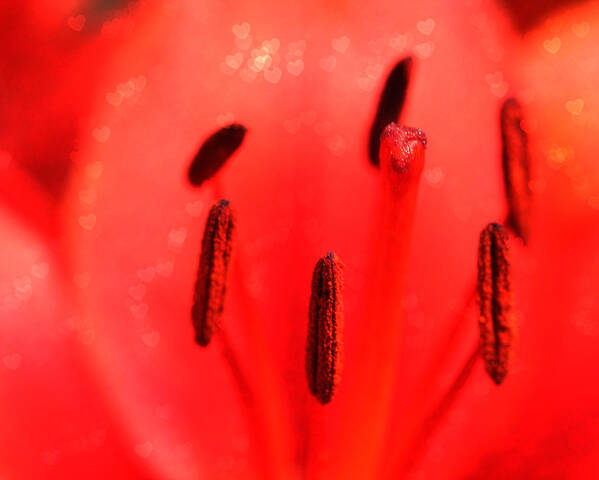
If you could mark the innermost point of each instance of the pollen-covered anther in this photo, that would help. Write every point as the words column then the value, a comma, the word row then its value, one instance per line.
column 325, row 324
column 516, row 168
column 214, row 153
column 495, row 301
column 211, row 283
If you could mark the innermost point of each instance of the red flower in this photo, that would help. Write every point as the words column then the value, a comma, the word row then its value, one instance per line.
column 413, row 398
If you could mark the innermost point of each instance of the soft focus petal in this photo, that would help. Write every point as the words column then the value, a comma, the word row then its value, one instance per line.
column 301, row 185
column 56, row 421
column 125, row 95
column 52, row 62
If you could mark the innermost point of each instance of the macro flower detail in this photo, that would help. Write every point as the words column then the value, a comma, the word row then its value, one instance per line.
column 398, row 144
column 214, row 152
column 495, row 301
column 325, row 328
column 211, row 283
column 390, row 105
column 103, row 222
column 516, row 168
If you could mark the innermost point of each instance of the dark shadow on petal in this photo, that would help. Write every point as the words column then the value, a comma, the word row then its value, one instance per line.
column 530, row 13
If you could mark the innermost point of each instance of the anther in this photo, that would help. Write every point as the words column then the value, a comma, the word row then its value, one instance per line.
column 325, row 324
column 211, row 283
column 495, row 301
column 390, row 105
column 516, row 168
column 214, row 153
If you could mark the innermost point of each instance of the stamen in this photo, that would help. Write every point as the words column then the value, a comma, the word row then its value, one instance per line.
column 495, row 301
column 516, row 168
column 372, row 368
column 214, row 153
column 241, row 381
column 390, row 105
column 211, row 283
column 270, row 408
column 440, row 412
column 325, row 323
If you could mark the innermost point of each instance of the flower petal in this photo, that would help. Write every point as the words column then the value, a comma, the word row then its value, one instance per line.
column 56, row 421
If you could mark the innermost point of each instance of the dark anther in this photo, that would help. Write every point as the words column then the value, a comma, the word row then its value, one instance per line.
column 325, row 323
column 211, row 283
column 516, row 168
column 495, row 301
column 390, row 105
column 214, row 153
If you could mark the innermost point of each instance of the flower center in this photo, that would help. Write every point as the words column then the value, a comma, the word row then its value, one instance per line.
column 368, row 390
